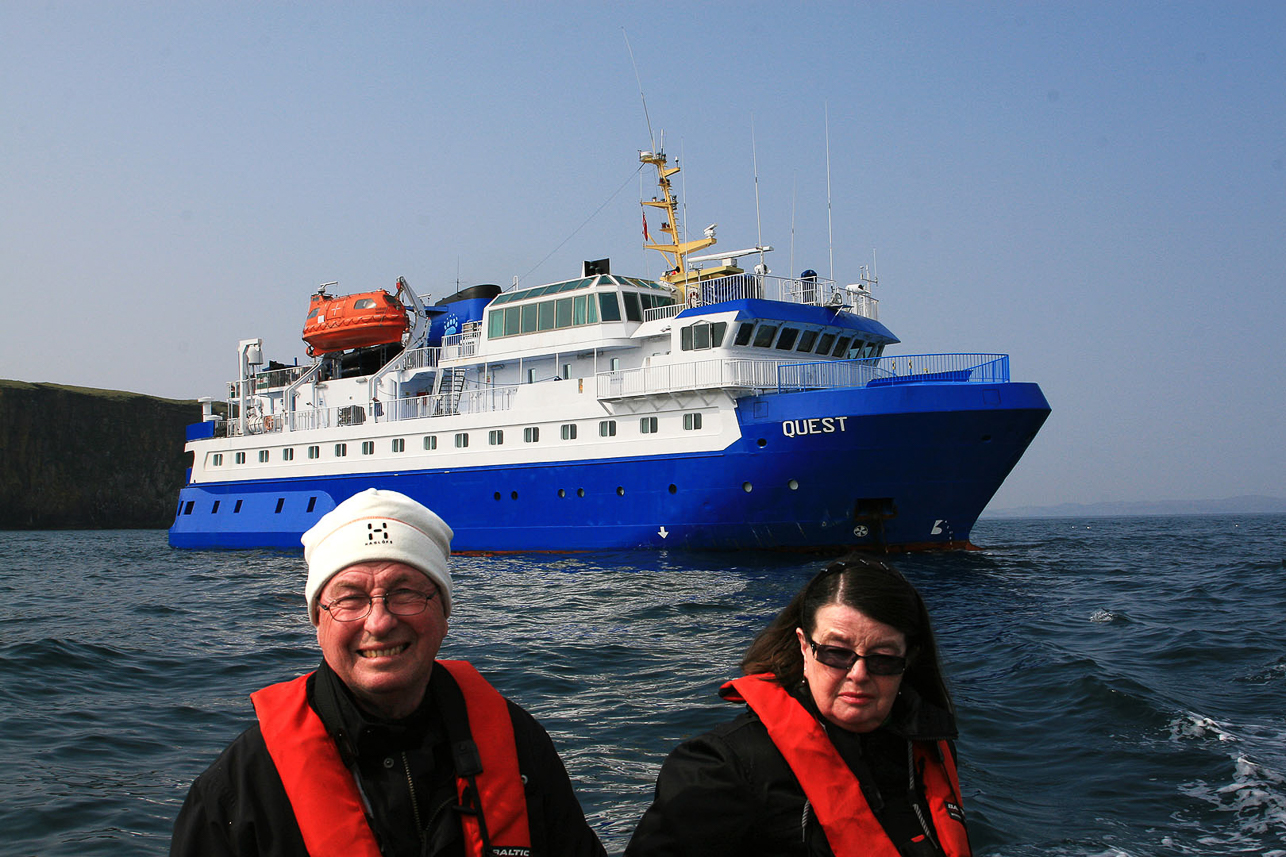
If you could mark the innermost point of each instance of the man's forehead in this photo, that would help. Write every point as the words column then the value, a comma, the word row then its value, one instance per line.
column 367, row 575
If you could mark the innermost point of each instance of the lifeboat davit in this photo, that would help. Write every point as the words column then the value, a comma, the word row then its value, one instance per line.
column 337, row 323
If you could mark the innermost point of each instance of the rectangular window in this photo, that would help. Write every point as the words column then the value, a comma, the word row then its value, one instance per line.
column 218, row 459
column 717, row 331
column 368, row 447
column 685, row 339
column 633, row 307
column 531, row 434
column 607, row 428
column 513, row 320
column 461, row 440
column 215, row 509
column 578, row 309
column 647, row 425
column 288, row 454
column 531, row 376
column 825, row 343
column 841, row 347
column 263, row 456
column 341, row 450
column 399, row 444
column 743, row 333
column 314, row 452
column 563, row 312
column 237, row 508
column 529, row 318
column 807, row 340
column 764, row 335
column 567, row 371
column 700, row 337
column 787, row 339
column 496, row 437
column 691, row 422
column 568, row 431
column 495, row 324
column 545, row 315
column 614, row 365
column 431, row 441
column 240, row 458
column 281, row 501
column 608, row 306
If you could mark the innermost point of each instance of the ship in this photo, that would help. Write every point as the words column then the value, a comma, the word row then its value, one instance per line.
column 716, row 407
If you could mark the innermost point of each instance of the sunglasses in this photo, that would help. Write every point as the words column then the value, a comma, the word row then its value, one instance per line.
column 837, row 657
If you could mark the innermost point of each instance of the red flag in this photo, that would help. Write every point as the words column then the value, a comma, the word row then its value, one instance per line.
column 646, row 237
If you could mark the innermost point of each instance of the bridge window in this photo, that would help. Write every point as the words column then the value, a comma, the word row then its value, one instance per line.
column 743, row 333
column 609, row 308
column 807, row 340
column 825, row 343
column 765, row 335
column 841, row 347
column 633, row 308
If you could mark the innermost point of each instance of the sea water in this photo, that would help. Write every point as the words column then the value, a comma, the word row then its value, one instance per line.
column 1121, row 683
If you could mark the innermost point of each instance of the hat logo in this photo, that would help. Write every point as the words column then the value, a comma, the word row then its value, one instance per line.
column 378, row 534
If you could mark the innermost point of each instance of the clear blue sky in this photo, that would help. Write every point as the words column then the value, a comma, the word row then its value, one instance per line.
column 1097, row 189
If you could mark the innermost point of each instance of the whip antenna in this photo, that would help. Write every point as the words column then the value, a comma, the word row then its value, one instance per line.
column 651, row 140
column 759, row 231
column 830, row 232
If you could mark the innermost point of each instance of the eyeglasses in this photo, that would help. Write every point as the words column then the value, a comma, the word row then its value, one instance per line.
column 399, row 602
column 837, row 657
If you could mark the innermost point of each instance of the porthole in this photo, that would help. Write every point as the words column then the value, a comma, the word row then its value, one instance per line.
column 674, row 489
column 762, row 442
column 496, row 495
column 747, row 487
column 513, row 495
column 562, row 492
column 793, row 485
column 620, row 491
column 580, row 492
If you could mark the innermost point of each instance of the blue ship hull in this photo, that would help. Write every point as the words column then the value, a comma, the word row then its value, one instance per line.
column 882, row 468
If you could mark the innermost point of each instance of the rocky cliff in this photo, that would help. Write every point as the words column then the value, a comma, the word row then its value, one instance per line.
column 75, row 458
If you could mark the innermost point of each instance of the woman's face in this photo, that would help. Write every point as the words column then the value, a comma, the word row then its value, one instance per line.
column 854, row 699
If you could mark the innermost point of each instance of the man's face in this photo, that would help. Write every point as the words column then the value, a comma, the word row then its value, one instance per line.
column 384, row 659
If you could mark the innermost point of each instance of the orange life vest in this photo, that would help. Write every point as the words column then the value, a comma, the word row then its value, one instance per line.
column 324, row 795
column 831, row 787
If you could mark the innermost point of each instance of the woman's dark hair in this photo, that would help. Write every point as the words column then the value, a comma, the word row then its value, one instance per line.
column 872, row 588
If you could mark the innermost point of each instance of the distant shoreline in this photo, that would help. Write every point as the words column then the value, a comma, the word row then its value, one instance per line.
column 1244, row 505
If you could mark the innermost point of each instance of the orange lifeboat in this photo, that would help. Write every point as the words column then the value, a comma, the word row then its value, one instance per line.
column 353, row 321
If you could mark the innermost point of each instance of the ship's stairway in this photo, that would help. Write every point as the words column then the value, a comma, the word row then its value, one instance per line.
column 447, row 387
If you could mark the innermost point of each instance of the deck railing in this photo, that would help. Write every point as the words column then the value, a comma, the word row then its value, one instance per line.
column 765, row 375
column 813, row 292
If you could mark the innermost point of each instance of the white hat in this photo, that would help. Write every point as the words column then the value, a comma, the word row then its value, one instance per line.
column 372, row 526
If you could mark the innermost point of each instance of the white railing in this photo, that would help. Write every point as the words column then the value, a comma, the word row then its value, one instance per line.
column 460, row 344
column 812, row 292
column 763, row 375
column 699, row 375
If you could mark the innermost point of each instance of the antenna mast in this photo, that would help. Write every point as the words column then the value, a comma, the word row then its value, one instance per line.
column 759, row 231
column 830, row 232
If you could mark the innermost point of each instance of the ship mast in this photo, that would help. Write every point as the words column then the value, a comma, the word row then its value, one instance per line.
column 675, row 251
